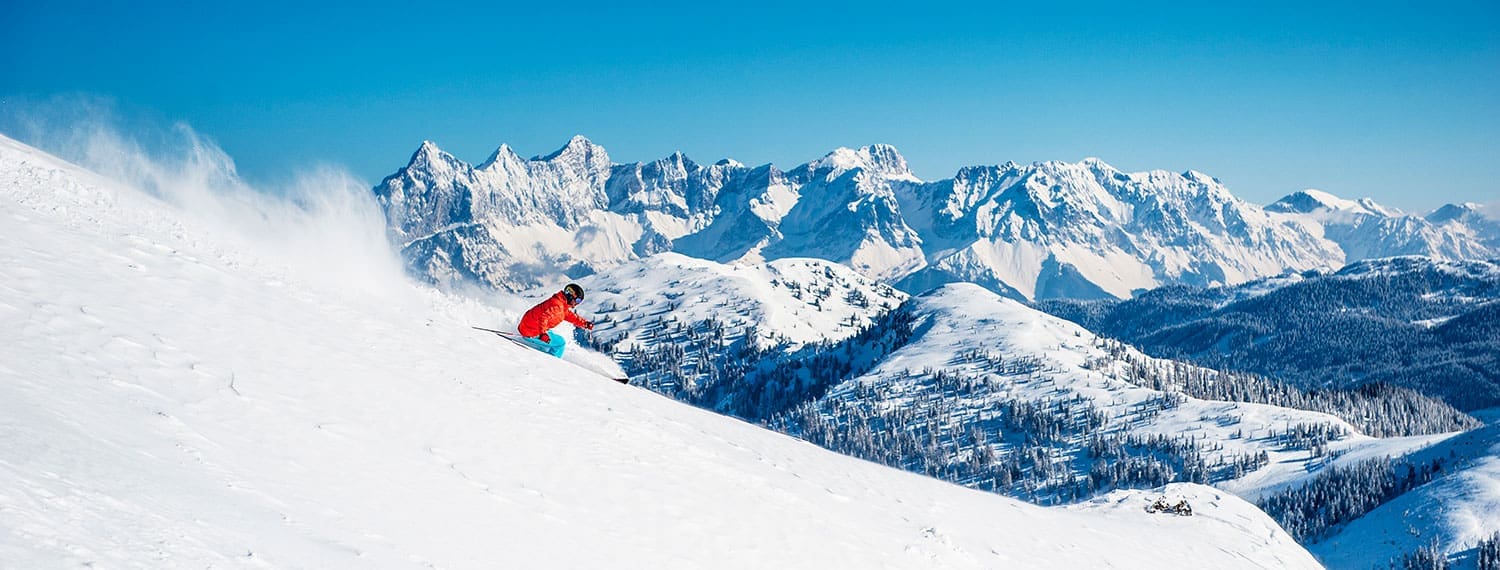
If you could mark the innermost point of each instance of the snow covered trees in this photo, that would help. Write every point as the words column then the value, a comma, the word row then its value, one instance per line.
column 1047, row 451
column 1377, row 410
column 1341, row 494
column 1428, row 557
column 1412, row 322
column 1487, row 553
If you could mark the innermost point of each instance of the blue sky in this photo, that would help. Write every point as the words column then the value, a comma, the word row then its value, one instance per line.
column 1395, row 101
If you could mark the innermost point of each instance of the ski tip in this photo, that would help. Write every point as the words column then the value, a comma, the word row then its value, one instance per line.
column 621, row 380
column 499, row 332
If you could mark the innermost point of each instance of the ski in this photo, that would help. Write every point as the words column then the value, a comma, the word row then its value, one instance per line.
column 501, row 333
column 516, row 338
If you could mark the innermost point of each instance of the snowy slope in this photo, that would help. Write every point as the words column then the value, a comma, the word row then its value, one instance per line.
column 787, row 302
column 670, row 301
column 687, row 327
column 1029, row 356
column 174, row 393
column 1456, row 510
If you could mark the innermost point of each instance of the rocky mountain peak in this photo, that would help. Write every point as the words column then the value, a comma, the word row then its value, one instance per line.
column 578, row 149
column 880, row 159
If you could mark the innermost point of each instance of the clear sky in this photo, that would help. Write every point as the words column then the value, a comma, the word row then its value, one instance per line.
column 1395, row 101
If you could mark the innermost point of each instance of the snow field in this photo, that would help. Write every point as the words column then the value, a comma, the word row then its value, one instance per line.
column 1456, row 510
column 779, row 298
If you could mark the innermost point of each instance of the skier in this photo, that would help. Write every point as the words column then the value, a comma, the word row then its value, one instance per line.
column 539, row 320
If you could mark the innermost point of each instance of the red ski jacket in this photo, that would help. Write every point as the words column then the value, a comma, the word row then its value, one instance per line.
column 548, row 314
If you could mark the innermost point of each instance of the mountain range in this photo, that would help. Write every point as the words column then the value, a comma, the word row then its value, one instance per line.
column 1038, row 231
column 795, row 299
column 178, row 391
column 958, row 383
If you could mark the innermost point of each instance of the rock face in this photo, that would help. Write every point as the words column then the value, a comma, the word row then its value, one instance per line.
column 512, row 222
column 1044, row 230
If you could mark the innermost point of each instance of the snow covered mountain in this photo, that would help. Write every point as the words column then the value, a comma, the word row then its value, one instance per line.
column 1019, row 391
column 178, row 393
column 978, row 389
column 815, row 349
column 1455, row 511
column 1045, row 230
column 1367, row 230
column 511, row 222
column 1087, row 230
column 1481, row 223
column 690, row 328
column 699, row 331
column 784, row 304
column 1416, row 322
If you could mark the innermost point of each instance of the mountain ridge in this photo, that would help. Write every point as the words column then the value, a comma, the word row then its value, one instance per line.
column 1049, row 229
column 1408, row 321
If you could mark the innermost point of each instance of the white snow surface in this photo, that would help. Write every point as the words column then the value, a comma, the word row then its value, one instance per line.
column 783, row 300
column 174, row 395
column 1455, row 510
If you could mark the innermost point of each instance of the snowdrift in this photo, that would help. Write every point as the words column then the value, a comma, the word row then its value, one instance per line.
column 174, row 394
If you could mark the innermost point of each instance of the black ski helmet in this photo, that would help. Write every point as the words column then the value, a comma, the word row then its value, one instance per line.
column 574, row 293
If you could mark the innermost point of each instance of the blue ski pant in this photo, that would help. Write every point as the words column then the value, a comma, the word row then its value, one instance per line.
column 555, row 347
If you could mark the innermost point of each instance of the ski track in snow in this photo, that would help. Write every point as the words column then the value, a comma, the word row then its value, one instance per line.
column 172, row 397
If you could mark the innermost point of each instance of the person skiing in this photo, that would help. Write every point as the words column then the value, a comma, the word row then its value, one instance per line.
column 537, row 323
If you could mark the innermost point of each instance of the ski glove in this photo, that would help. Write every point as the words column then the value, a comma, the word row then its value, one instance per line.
column 588, row 325
column 544, row 338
